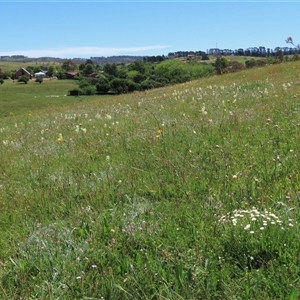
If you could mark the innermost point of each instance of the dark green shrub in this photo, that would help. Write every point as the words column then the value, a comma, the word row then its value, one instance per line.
column 221, row 65
column 1, row 80
column 149, row 84
column 39, row 79
column 250, row 63
column 235, row 66
column 119, row 85
column 88, row 90
column 23, row 78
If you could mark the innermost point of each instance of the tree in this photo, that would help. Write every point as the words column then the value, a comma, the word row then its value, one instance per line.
column 8, row 74
column 110, row 69
column 88, row 69
column 138, row 66
column 61, row 73
column 119, row 85
column 69, row 66
column 30, row 69
column 89, row 61
column 280, row 55
column 221, row 65
column 51, row 71
column 103, row 86
column 37, row 69
column 289, row 40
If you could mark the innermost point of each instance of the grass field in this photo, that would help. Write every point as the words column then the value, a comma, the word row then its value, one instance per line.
column 16, row 65
column 19, row 98
column 183, row 192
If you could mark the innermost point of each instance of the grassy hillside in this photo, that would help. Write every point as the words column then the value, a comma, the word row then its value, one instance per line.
column 16, row 65
column 184, row 192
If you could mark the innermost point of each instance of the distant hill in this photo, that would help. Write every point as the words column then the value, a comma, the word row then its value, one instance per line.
column 96, row 60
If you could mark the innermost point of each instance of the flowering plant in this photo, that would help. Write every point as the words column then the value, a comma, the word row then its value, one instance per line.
column 252, row 238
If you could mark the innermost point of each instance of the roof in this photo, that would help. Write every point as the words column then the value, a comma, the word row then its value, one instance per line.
column 72, row 73
column 39, row 73
column 24, row 70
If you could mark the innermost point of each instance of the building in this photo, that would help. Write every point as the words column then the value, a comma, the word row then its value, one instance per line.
column 40, row 74
column 22, row 72
column 71, row 75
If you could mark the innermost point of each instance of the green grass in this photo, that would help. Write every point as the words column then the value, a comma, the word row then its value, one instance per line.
column 183, row 192
column 17, row 64
column 19, row 98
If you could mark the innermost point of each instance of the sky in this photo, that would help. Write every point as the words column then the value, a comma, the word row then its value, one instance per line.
column 69, row 29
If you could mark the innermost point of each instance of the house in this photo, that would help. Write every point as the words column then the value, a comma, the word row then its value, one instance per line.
column 71, row 75
column 22, row 72
column 93, row 75
column 40, row 74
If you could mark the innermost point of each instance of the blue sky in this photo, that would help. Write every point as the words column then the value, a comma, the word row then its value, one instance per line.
column 70, row 29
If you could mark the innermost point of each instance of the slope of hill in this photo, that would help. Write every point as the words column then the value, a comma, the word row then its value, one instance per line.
column 184, row 192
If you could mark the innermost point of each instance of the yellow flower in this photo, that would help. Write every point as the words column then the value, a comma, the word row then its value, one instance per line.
column 60, row 138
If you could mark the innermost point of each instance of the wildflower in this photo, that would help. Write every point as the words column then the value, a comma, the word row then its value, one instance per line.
column 247, row 227
column 159, row 132
column 60, row 138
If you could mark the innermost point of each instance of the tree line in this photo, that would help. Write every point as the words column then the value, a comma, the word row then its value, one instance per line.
column 137, row 76
column 260, row 51
column 152, row 72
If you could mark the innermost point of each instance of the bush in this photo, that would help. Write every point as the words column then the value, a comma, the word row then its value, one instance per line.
column 39, row 79
column 23, row 78
column 235, row 66
column 120, row 86
column 1, row 80
column 295, row 57
column 149, row 84
column 88, row 90
column 221, row 65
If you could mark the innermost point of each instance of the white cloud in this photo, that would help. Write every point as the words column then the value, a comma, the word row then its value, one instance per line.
column 84, row 51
